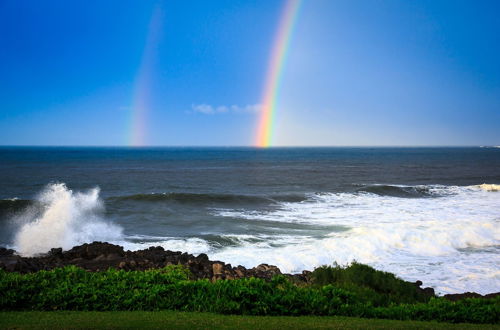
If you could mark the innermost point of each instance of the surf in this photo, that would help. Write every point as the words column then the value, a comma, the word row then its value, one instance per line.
column 66, row 219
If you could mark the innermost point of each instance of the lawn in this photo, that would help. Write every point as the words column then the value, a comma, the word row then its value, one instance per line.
column 192, row 320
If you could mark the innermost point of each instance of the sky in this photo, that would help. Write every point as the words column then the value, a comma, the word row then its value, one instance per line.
column 193, row 73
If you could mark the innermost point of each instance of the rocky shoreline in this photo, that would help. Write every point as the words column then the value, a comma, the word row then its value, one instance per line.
column 98, row 256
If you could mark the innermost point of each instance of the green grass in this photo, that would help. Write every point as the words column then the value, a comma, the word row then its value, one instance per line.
column 192, row 320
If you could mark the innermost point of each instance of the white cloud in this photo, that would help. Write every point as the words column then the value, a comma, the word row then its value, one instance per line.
column 207, row 109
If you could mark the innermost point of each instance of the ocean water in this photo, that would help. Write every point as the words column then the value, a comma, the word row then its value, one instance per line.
column 429, row 214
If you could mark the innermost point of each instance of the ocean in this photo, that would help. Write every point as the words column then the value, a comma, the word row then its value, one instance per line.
column 429, row 214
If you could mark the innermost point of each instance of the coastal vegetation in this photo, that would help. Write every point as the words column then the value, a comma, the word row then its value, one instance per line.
column 356, row 291
column 196, row 320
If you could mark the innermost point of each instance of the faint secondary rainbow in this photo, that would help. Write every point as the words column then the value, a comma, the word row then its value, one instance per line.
column 142, row 89
column 281, row 44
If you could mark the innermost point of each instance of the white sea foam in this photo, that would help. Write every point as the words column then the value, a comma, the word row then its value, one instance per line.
column 68, row 219
column 488, row 187
column 192, row 245
column 451, row 243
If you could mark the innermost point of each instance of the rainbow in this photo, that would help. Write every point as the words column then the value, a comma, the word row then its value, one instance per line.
column 274, row 73
column 142, row 85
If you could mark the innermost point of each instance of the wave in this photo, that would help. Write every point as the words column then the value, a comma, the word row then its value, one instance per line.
column 13, row 205
column 420, row 191
column 195, row 198
column 399, row 190
column 67, row 219
column 404, row 191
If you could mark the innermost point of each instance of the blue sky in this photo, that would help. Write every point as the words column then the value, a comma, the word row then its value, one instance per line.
column 357, row 72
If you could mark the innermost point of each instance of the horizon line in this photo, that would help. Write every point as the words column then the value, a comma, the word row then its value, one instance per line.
column 254, row 147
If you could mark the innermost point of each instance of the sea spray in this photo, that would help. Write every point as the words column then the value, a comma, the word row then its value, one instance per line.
column 67, row 219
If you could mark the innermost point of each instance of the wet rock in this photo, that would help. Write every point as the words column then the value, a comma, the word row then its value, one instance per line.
column 4, row 252
column 202, row 258
column 92, row 250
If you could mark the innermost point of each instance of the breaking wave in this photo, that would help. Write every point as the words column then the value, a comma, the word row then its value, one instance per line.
column 66, row 219
column 402, row 191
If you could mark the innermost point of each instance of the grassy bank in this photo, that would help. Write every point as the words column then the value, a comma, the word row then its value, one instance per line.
column 359, row 291
column 190, row 320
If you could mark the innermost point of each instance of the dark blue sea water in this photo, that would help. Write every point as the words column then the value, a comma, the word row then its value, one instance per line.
column 423, row 213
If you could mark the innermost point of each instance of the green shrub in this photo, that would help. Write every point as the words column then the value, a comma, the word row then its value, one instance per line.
column 371, row 285
column 72, row 288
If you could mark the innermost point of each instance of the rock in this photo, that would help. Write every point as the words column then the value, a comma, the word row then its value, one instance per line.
column 429, row 291
column 11, row 267
column 459, row 296
column 264, row 271
column 56, row 252
column 203, row 258
column 92, row 250
column 491, row 295
column 269, row 269
column 217, row 268
column 100, row 257
column 239, row 272
column 112, row 256
column 4, row 252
